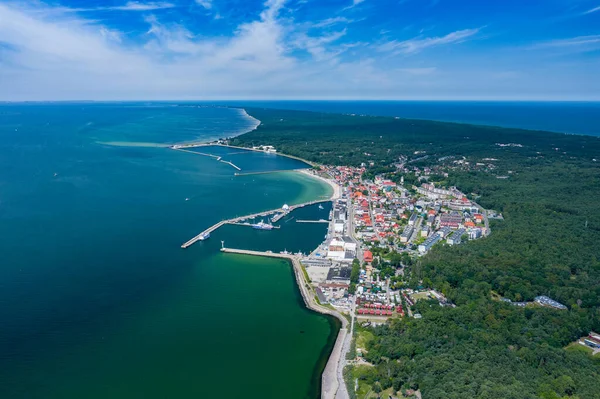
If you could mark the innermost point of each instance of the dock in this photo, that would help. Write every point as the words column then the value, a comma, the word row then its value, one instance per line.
column 241, row 219
column 312, row 221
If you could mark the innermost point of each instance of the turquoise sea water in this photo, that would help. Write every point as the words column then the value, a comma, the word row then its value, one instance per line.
column 97, row 299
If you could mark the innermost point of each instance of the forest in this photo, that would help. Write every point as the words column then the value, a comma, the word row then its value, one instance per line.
column 547, row 244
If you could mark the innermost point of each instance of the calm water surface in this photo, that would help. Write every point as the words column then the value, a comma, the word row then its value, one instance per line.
column 97, row 299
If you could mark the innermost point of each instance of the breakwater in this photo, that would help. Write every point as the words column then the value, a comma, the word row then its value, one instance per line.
column 332, row 384
column 239, row 219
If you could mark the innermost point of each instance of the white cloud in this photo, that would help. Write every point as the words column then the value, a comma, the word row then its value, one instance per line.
column 205, row 3
column 137, row 6
column 577, row 44
column 49, row 53
column 129, row 6
column 421, row 43
column 331, row 21
column 593, row 10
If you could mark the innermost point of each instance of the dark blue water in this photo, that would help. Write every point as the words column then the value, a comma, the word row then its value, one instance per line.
column 561, row 117
column 98, row 300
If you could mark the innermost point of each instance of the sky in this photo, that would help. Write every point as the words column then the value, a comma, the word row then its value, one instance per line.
column 300, row 49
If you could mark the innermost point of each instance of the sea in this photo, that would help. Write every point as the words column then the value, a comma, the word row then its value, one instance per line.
column 98, row 300
column 560, row 117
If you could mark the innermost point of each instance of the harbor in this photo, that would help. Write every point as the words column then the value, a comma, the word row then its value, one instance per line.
column 332, row 384
column 280, row 212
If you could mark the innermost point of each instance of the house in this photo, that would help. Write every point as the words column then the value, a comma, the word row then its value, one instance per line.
column 430, row 242
column 368, row 256
column 456, row 238
column 474, row 234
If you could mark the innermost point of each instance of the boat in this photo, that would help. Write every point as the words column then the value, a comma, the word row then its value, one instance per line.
column 262, row 226
column 204, row 236
column 321, row 206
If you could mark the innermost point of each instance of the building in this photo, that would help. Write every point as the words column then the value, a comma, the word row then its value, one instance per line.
column 425, row 231
column 339, row 275
column 413, row 219
column 368, row 256
column 456, row 238
column 341, row 250
column 546, row 301
column 406, row 234
column 452, row 220
column 444, row 232
column 430, row 242
column 475, row 234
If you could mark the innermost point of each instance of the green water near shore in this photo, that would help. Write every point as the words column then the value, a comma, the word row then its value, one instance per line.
column 96, row 297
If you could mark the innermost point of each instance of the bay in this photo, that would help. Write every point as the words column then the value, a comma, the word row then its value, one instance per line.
column 97, row 299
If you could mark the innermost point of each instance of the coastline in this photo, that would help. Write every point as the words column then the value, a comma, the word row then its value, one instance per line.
column 330, row 385
column 329, row 381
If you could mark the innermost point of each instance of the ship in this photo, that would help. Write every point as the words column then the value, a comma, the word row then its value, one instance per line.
column 262, row 226
column 204, row 236
column 321, row 206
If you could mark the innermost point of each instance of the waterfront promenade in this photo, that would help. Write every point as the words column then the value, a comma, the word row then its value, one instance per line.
column 332, row 383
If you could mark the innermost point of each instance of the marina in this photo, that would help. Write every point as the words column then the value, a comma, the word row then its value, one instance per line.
column 284, row 210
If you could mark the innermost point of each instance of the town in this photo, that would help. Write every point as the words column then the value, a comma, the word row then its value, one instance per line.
column 379, row 227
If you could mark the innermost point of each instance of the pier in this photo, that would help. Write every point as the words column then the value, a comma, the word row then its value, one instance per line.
column 241, row 219
column 218, row 158
column 231, row 163
column 312, row 221
column 194, row 145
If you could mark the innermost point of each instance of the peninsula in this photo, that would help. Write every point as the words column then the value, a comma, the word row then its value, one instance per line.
column 447, row 243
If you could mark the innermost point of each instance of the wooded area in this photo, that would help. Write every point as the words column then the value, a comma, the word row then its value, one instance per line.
column 548, row 244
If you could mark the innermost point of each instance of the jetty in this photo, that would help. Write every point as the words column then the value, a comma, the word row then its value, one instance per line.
column 218, row 158
column 332, row 383
column 312, row 221
column 231, row 163
column 194, row 145
column 241, row 219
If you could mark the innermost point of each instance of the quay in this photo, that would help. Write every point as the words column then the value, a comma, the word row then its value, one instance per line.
column 243, row 218
column 332, row 384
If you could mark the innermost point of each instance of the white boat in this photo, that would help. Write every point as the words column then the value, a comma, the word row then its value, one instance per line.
column 262, row 226
column 321, row 206
column 204, row 236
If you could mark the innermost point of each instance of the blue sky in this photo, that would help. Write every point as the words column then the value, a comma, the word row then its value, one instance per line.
column 300, row 49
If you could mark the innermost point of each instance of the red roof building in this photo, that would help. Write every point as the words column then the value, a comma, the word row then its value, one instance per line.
column 368, row 255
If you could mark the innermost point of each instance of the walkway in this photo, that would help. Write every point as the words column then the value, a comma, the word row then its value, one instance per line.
column 332, row 382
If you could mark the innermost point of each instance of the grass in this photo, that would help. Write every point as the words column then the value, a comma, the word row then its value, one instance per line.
column 577, row 347
column 362, row 338
column 420, row 295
